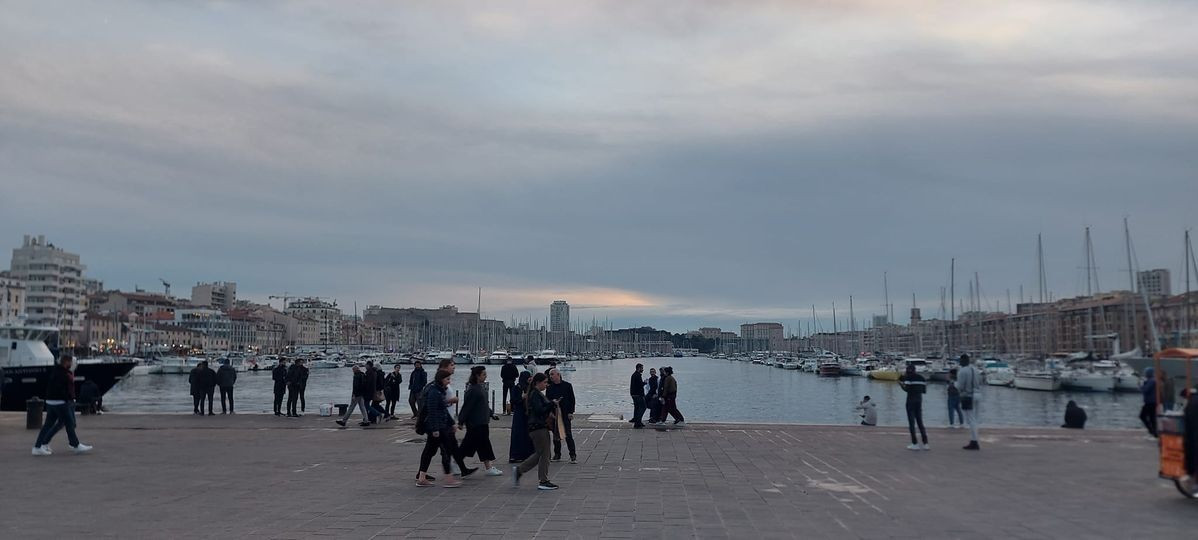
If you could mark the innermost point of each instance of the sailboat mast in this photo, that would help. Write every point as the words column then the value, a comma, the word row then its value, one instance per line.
column 1189, row 257
column 1131, row 284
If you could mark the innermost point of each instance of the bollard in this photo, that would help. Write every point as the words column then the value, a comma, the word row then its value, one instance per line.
column 33, row 413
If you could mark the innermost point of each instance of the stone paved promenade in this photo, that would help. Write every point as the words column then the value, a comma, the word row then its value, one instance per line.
column 252, row 476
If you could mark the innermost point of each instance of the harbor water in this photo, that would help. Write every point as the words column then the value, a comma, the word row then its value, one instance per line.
column 709, row 390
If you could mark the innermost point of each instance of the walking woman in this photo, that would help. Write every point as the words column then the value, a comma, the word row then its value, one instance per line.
column 521, row 445
column 475, row 416
column 540, row 416
column 915, row 386
column 439, row 428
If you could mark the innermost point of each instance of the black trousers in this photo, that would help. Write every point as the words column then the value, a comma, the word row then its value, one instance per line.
column 447, row 443
column 303, row 404
column 293, row 393
column 507, row 390
column 1148, row 417
column 478, row 440
column 209, row 393
column 197, row 403
column 226, row 391
column 557, row 441
column 915, row 416
column 390, row 406
column 638, row 409
column 412, row 401
column 280, row 392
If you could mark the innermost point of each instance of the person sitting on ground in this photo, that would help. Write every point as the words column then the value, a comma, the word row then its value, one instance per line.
column 1075, row 416
column 869, row 412
column 89, row 400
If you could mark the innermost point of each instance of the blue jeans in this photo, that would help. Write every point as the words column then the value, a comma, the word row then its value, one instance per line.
column 954, row 406
column 58, row 417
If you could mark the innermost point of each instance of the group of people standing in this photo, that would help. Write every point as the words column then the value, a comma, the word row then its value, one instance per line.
column 964, row 391
column 204, row 381
column 290, row 382
column 659, row 396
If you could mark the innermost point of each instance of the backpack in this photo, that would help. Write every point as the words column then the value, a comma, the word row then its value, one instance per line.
column 422, row 411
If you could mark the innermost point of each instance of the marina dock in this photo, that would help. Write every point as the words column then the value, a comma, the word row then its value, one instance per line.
column 258, row 476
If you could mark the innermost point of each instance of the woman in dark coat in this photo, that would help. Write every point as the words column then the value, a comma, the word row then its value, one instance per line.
column 521, row 446
column 1075, row 417
column 475, row 416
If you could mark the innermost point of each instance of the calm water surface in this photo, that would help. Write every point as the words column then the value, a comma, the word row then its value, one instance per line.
column 708, row 390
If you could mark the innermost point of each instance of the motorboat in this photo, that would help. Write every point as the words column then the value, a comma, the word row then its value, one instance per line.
column 887, row 373
column 790, row 364
column 1127, row 380
column 323, row 363
column 179, row 365
column 546, row 357
column 829, row 369
column 566, row 366
column 27, row 362
column 997, row 373
column 1042, row 380
column 498, row 356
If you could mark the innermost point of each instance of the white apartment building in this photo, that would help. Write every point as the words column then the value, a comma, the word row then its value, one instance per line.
column 12, row 297
column 53, row 281
column 327, row 318
column 220, row 295
column 1155, row 282
column 214, row 325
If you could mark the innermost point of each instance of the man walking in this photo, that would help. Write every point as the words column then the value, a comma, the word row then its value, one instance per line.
column 969, row 386
column 355, row 400
column 652, row 399
column 669, row 395
column 636, row 388
column 60, row 409
column 279, row 376
column 294, row 375
column 226, row 377
column 508, row 374
column 416, row 383
column 562, row 393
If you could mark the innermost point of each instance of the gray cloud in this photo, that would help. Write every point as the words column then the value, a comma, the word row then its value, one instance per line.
column 705, row 163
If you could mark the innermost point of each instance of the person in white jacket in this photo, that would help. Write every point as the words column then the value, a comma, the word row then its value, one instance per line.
column 869, row 412
column 969, row 384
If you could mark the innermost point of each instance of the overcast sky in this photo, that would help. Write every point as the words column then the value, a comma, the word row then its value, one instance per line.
column 677, row 164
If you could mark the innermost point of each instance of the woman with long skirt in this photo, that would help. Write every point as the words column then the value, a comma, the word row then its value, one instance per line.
column 475, row 417
column 521, row 446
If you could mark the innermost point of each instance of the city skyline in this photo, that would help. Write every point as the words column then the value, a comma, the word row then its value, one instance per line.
column 710, row 165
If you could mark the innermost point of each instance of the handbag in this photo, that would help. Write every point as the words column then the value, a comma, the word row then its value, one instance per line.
column 967, row 403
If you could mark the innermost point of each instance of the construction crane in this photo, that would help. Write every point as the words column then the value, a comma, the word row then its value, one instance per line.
column 167, row 286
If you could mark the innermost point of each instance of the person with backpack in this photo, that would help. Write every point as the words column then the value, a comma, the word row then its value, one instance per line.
column 438, row 427
column 915, row 386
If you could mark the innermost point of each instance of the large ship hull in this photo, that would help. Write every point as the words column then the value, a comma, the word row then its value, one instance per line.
column 24, row 382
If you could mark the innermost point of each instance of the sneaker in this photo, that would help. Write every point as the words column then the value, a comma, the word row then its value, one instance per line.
column 494, row 471
column 574, row 460
column 912, row 447
column 469, row 471
column 450, row 482
column 515, row 476
column 47, row 448
column 363, row 424
column 925, row 446
column 40, row 451
column 973, row 445
column 81, row 449
column 638, row 426
column 556, row 459
column 340, row 422
column 424, row 483
column 680, row 423
column 546, row 486
column 210, row 413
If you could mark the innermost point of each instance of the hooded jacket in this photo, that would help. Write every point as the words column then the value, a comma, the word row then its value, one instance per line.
column 226, row 376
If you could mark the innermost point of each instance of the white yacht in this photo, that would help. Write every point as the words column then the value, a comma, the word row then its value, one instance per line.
column 498, row 356
column 997, row 373
column 546, row 357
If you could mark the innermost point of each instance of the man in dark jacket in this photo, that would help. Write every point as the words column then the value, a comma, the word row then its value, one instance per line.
column 372, row 384
column 509, row 373
column 562, row 392
column 636, row 388
column 226, row 377
column 416, row 383
column 303, row 385
column 355, row 399
column 652, row 400
column 279, row 376
column 209, row 379
column 1148, row 411
column 295, row 375
column 60, row 409
column 195, row 381
column 391, row 390
column 915, row 386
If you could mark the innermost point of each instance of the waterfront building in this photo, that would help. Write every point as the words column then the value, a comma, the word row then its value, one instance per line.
column 53, row 280
column 326, row 315
column 215, row 327
column 1154, row 282
column 762, row 336
column 141, row 303
column 92, row 286
column 220, row 295
column 106, row 333
column 710, row 332
column 440, row 328
column 12, row 297
column 559, row 316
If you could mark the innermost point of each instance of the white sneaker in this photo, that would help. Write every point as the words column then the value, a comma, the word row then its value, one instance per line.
column 454, row 468
column 494, row 471
column 40, row 451
column 912, row 447
column 47, row 448
column 81, row 449
column 925, row 446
